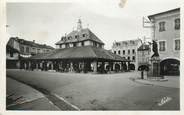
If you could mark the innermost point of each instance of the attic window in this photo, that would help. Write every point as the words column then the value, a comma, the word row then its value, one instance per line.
column 76, row 36
column 117, row 44
column 63, row 38
column 70, row 37
column 83, row 35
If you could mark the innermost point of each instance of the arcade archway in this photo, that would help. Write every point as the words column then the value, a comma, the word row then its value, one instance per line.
column 170, row 67
column 117, row 67
column 131, row 67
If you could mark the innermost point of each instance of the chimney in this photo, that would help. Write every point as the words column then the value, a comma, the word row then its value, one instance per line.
column 33, row 41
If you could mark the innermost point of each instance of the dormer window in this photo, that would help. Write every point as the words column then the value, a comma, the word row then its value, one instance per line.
column 63, row 38
column 69, row 37
column 76, row 36
column 117, row 44
column 83, row 35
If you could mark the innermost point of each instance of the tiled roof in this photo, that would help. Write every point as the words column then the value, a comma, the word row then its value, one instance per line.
column 31, row 43
column 10, row 45
column 161, row 13
column 80, row 52
column 89, row 35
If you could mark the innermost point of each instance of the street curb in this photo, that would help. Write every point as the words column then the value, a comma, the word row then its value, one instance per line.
column 136, row 80
column 146, row 82
column 46, row 94
column 28, row 101
column 61, row 98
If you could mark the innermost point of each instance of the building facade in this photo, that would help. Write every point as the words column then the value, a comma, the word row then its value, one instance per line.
column 18, row 49
column 128, row 50
column 30, row 48
column 166, row 32
column 12, row 54
column 143, row 56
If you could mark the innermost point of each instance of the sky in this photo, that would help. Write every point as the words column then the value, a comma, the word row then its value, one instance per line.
column 110, row 20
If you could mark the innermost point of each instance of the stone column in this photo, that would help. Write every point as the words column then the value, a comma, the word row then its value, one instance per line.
column 95, row 66
column 44, row 65
column 114, row 66
column 71, row 66
column 29, row 65
column 128, row 66
column 37, row 66
column 103, row 66
column 82, row 66
column 18, row 64
column 41, row 65
column 52, row 65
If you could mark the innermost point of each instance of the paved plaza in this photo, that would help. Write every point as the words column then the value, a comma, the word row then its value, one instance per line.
column 74, row 91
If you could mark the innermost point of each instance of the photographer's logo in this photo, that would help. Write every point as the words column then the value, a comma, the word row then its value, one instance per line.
column 164, row 100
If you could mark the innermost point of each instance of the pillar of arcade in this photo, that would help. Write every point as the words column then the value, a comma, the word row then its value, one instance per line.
column 94, row 66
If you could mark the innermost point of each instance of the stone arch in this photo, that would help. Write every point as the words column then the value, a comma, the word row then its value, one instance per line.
column 131, row 66
column 117, row 67
column 170, row 66
column 124, row 66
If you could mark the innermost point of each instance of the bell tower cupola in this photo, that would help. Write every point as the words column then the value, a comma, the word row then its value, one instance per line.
column 79, row 25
